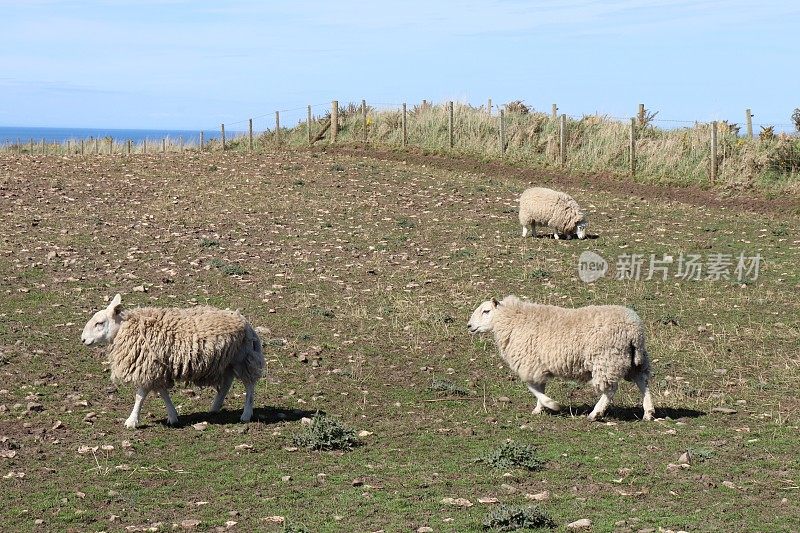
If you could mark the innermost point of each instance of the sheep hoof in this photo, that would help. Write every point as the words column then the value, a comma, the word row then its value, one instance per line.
column 556, row 236
column 245, row 418
column 648, row 416
column 172, row 421
column 537, row 411
column 131, row 423
column 593, row 417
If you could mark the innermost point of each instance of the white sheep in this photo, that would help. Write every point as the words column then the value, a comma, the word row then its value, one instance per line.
column 555, row 209
column 153, row 347
column 601, row 344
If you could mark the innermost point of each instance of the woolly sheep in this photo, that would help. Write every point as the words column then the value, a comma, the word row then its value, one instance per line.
column 555, row 209
column 601, row 344
column 152, row 348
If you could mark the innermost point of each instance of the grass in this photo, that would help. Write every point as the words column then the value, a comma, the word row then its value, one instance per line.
column 382, row 308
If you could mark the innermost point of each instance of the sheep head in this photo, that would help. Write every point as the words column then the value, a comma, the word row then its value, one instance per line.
column 481, row 319
column 104, row 325
column 580, row 229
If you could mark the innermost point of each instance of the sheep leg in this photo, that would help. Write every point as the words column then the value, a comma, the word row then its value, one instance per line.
column 533, row 229
column 222, row 391
column 133, row 419
column 247, row 412
column 647, row 401
column 542, row 400
column 602, row 403
column 172, row 414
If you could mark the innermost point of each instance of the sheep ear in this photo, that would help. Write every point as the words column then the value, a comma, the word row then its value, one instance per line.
column 116, row 304
column 495, row 303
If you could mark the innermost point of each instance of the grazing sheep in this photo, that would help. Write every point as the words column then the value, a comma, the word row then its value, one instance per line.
column 152, row 348
column 555, row 209
column 601, row 344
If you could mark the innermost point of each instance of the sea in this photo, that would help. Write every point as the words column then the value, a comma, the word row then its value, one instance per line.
column 14, row 134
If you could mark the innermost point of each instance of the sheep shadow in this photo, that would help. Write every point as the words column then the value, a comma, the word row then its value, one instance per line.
column 263, row 415
column 551, row 236
column 629, row 414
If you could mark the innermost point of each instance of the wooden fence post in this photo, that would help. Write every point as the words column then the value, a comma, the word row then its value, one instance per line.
column 44, row 147
column 202, row 140
column 308, row 125
column 163, row 145
column 144, row 145
column 334, row 120
column 364, row 117
column 96, row 147
column 83, row 152
column 489, row 107
column 405, row 125
column 633, row 146
column 563, row 140
column 278, row 127
column 180, row 141
column 713, row 151
column 250, row 135
column 554, row 111
column 222, row 128
column 129, row 146
column 641, row 114
column 502, row 132
column 69, row 146
column 749, row 119
column 450, row 123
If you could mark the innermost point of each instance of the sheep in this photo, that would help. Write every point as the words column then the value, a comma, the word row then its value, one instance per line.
column 600, row 344
column 556, row 209
column 153, row 347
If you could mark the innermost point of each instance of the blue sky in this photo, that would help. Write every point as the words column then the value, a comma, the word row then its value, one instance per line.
column 193, row 64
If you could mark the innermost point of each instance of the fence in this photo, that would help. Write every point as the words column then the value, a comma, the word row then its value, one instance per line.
column 698, row 151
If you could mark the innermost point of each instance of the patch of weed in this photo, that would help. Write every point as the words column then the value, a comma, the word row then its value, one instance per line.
column 513, row 455
column 326, row 433
column 447, row 387
column 511, row 518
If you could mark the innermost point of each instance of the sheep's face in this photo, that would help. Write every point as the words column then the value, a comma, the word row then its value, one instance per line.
column 580, row 230
column 104, row 325
column 481, row 319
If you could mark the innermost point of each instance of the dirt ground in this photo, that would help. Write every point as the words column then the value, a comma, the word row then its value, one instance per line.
column 360, row 270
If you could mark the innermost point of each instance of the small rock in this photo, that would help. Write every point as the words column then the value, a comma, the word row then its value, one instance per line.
column 539, row 496
column 729, row 484
column 583, row 523
column 685, row 459
column 286, row 478
column 275, row 519
column 38, row 522
column 57, row 425
column 35, row 407
column 306, row 421
column 424, row 529
column 8, row 454
column 364, row 433
column 504, row 399
column 242, row 447
column 142, row 288
column 488, row 499
column 508, row 488
column 90, row 417
column 724, row 410
column 52, row 255
column 190, row 523
column 459, row 502
column 357, row 482
column 200, row 426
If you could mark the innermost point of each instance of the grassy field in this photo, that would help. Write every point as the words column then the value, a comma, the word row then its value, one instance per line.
column 363, row 274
